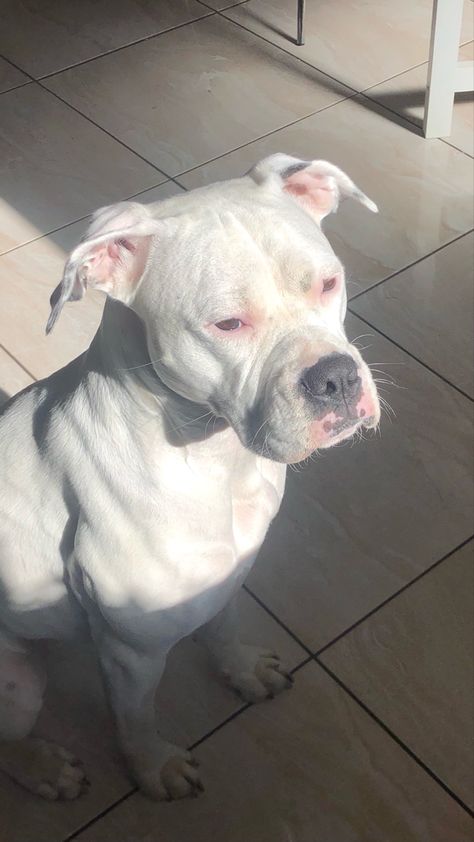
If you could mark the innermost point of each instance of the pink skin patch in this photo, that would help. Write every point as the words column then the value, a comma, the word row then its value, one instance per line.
column 333, row 428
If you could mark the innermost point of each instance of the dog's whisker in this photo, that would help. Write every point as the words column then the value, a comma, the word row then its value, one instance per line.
column 260, row 428
column 191, row 421
column 363, row 336
column 142, row 365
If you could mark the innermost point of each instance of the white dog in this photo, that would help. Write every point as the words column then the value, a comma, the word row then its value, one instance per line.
column 138, row 482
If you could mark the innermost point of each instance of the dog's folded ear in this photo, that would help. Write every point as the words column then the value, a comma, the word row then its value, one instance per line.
column 111, row 256
column 317, row 185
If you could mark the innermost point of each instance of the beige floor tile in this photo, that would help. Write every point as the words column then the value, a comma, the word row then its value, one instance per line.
column 219, row 5
column 412, row 664
column 75, row 32
column 13, row 377
column 309, row 766
column 28, row 276
column 191, row 702
column 428, row 310
column 405, row 94
column 10, row 77
column 358, row 43
column 359, row 522
column 423, row 188
column 195, row 93
column 57, row 166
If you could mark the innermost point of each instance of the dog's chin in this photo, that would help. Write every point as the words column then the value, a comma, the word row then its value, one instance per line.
column 339, row 434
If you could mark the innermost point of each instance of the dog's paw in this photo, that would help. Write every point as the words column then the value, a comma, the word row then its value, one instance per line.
column 178, row 777
column 257, row 674
column 44, row 768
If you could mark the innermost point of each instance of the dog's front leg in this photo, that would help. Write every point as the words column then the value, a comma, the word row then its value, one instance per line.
column 254, row 672
column 162, row 770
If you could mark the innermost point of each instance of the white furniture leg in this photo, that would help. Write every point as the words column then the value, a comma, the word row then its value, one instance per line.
column 446, row 75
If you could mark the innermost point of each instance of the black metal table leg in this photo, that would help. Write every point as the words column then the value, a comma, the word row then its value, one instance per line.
column 300, row 24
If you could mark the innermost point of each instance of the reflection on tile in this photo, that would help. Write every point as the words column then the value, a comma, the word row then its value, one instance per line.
column 27, row 278
column 423, row 189
column 76, row 32
column 405, row 94
column 360, row 521
column 13, row 377
column 412, row 664
column 428, row 310
column 358, row 43
column 191, row 702
column 10, row 77
column 58, row 167
column 195, row 93
column 309, row 766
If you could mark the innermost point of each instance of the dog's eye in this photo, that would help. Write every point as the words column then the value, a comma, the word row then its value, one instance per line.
column 229, row 324
column 329, row 284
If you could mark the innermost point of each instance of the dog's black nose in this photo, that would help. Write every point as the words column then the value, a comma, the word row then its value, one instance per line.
column 332, row 381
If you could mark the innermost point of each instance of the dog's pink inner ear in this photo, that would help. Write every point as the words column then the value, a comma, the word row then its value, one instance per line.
column 318, row 193
column 116, row 264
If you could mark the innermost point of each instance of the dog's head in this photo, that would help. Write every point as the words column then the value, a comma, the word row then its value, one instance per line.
column 243, row 302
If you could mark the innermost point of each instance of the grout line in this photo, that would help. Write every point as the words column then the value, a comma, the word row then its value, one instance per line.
column 277, row 620
column 287, row 52
column 12, row 356
column 409, row 265
column 394, row 737
column 462, row 151
column 412, row 121
column 100, row 815
column 392, row 597
column 98, row 126
column 87, row 215
column 90, row 120
column 20, row 85
column 263, row 136
column 241, row 710
column 413, row 356
column 212, row 12
column 192, row 747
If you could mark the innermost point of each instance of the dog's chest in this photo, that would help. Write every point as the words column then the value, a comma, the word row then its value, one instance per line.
column 255, row 502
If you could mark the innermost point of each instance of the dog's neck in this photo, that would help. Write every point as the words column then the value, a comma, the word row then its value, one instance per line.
column 119, row 353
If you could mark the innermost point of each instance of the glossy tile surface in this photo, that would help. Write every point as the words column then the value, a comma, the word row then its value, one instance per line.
column 358, row 43
column 359, row 522
column 412, row 664
column 309, row 766
column 44, row 36
column 423, row 189
column 57, row 167
column 225, row 83
column 428, row 309
column 405, row 94
column 191, row 702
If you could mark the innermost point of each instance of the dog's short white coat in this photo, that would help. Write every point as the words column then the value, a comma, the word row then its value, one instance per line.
column 137, row 485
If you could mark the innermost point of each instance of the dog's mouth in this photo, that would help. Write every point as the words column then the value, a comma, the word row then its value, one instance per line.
column 335, row 428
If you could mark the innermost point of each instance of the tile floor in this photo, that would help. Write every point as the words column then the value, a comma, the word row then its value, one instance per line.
column 365, row 581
